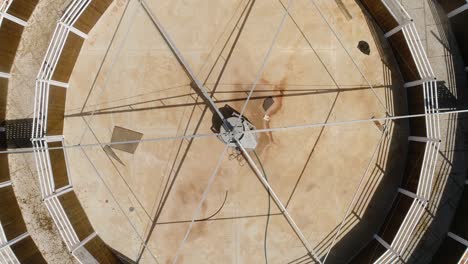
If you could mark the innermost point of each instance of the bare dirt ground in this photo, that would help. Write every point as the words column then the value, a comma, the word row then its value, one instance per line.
column 31, row 51
column 127, row 76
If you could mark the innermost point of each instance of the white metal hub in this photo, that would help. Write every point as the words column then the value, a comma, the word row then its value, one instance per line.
column 239, row 128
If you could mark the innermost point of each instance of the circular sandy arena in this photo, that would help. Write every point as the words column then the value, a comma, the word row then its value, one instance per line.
column 128, row 85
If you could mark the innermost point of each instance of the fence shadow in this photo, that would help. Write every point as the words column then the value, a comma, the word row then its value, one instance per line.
column 383, row 177
column 450, row 172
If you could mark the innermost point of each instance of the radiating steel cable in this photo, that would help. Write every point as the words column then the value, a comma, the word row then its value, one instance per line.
column 265, row 60
column 349, row 55
column 200, row 86
column 361, row 181
column 200, row 203
column 112, row 65
column 118, row 204
column 256, row 131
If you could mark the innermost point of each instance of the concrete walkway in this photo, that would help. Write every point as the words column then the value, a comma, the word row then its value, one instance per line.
column 31, row 51
column 448, row 66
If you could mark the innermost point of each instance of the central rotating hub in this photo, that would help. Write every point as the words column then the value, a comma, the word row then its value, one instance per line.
column 240, row 129
column 237, row 132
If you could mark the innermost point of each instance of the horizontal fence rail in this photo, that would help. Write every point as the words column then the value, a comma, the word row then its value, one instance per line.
column 49, row 192
column 4, row 8
column 14, row 237
column 49, row 65
column 63, row 223
column 455, row 245
column 42, row 156
column 431, row 107
column 6, row 254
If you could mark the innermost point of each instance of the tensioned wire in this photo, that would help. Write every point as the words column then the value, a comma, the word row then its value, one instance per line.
column 113, row 63
column 206, row 79
column 262, row 67
column 349, row 55
column 200, row 203
column 265, row 60
column 291, row 222
column 118, row 204
column 256, row 131
column 353, row 200
column 341, row 43
column 221, row 158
